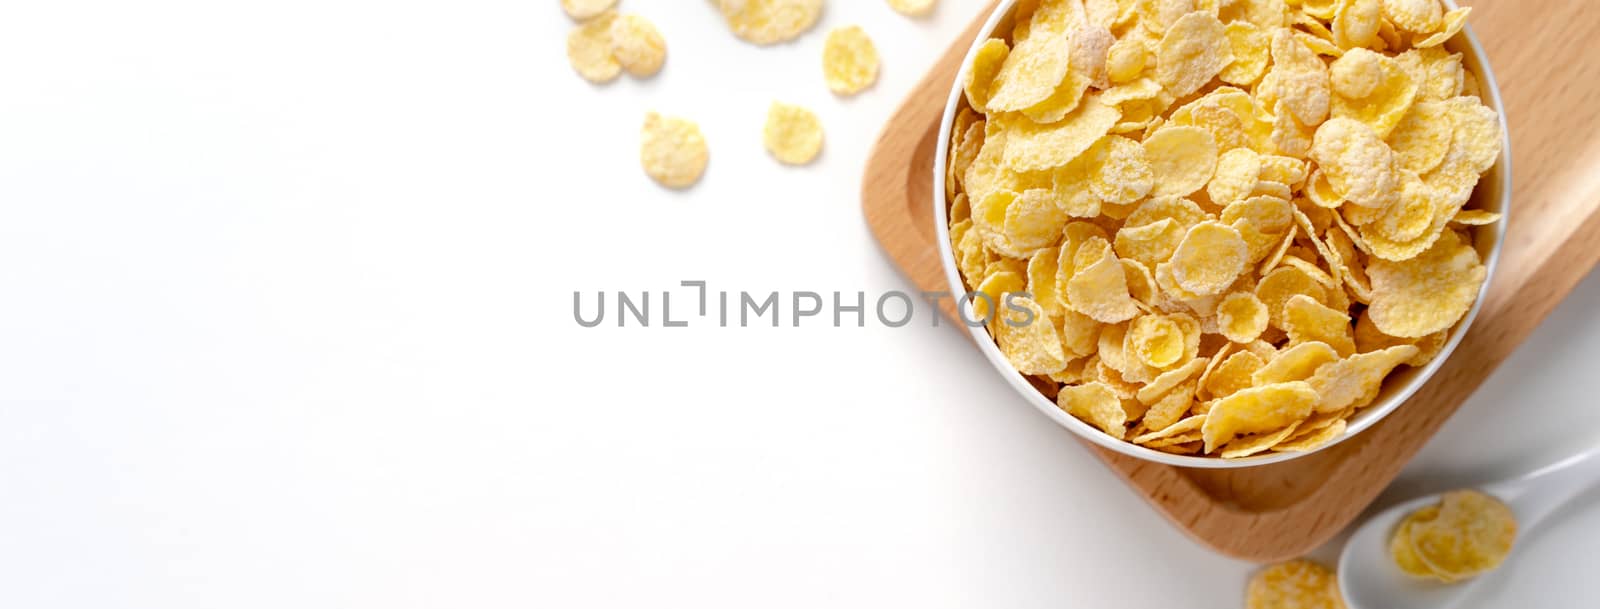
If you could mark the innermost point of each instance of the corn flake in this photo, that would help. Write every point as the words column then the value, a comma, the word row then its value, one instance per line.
column 638, row 45
column 1301, row 584
column 672, row 151
column 1472, row 534
column 1307, row 320
column 913, row 8
column 1426, row 294
column 986, row 63
column 793, row 134
column 766, row 22
column 1210, row 258
column 589, row 49
column 1242, row 317
column 1097, row 404
column 1028, row 341
column 1255, row 410
column 849, row 60
column 1100, row 290
column 1453, row 22
column 1034, row 147
column 1182, row 158
column 1194, row 50
column 1031, row 72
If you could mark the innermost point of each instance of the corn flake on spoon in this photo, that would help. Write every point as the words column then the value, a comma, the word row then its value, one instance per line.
column 1370, row 579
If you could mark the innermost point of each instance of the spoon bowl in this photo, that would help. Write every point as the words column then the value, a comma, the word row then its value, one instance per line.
column 1369, row 579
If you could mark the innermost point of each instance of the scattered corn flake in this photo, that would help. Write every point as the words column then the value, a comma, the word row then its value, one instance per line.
column 1265, row 14
column 1320, row 46
column 589, row 49
column 849, row 60
column 1289, row 136
column 672, row 151
column 766, row 22
column 638, row 45
column 793, row 134
column 1073, row 237
column 1369, row 339
column 1143, row 89
column 1277, row 256
column 1072, row 186
column 1261, row 221
column 1042, row 282
column 1091, row 47
column 1284, row 170
column 1158, row 16
column 913, row 8
column 1300, row 584
column 583, row 10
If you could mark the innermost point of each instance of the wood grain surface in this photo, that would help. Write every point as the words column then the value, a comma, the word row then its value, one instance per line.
column 1543, row 53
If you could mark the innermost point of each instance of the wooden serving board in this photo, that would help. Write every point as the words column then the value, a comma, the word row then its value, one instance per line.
column 1543, row 54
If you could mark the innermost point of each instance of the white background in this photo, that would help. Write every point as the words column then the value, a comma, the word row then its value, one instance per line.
column 286, row 322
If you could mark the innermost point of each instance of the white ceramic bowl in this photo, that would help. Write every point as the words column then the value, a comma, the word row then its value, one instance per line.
column 1493, row 193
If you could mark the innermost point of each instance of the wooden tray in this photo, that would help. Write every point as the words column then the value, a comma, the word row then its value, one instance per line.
column 1543, row 54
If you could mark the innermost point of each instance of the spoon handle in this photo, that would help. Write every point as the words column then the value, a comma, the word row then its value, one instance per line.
column 1537, row 494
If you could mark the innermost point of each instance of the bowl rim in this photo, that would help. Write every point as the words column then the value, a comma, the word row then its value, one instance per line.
column 1360, row 422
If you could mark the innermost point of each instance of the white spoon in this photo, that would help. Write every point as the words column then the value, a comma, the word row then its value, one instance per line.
column 1369, row 579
